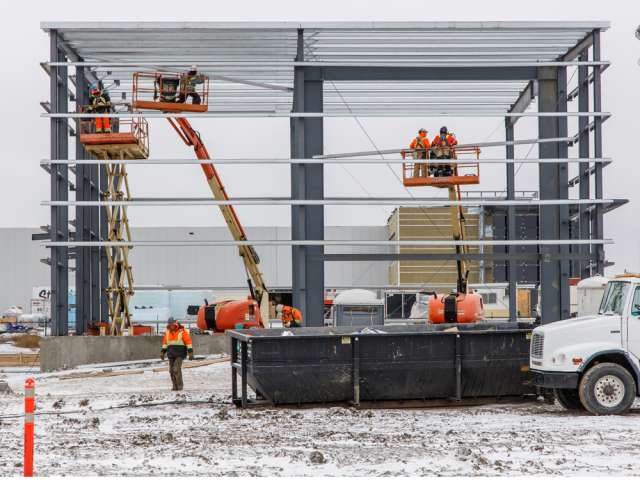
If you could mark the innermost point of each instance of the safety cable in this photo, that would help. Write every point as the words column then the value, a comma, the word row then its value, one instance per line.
column 364, row 130
column 119, row 407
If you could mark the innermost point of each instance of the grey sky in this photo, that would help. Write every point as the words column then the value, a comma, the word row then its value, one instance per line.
column 25, row 135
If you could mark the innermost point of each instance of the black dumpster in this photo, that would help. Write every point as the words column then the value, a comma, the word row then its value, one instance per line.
column 375, row 364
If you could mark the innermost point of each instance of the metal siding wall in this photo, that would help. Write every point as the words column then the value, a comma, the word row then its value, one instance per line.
column 21, row 269
column 20, row 266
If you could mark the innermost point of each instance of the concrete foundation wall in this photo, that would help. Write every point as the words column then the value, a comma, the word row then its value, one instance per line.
column 57, row 353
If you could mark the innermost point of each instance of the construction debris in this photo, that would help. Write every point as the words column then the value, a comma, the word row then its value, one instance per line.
column 4, row 388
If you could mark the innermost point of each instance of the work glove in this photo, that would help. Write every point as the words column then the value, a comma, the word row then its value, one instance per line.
column 162, row 355
column 190, row 354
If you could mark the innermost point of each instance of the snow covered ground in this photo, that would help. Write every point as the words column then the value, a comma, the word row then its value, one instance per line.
column 214, row 438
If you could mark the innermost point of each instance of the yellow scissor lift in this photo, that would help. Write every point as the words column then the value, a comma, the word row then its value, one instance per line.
column 129, row 140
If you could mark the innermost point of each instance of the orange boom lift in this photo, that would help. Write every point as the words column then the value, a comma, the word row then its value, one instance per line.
column 459, row 306
column 224, row 315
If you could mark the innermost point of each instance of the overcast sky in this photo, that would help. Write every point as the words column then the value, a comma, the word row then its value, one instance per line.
column 25, row 135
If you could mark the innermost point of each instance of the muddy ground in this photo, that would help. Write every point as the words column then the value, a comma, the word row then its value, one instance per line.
column 105, row 426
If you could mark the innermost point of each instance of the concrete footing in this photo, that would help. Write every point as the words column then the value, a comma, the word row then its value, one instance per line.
column 58, row 353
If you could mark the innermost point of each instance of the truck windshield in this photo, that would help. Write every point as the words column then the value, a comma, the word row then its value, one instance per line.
column 614, row 297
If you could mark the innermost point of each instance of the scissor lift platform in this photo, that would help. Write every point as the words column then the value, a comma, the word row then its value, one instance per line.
column 133, row 143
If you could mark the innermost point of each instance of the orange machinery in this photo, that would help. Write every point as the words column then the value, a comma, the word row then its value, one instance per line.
column 459, row 306
column 218, row 316
column 229, row 315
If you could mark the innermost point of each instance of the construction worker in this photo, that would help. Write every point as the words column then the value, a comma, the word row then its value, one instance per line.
column 166, row 87
column 291, row 317
column 100, row 102
column 176, row 344
column 188, row 86
column 443, row 147
column 420, row 150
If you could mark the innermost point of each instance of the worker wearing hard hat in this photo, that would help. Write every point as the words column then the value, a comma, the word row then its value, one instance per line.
column 443, row 147
column 176, row 344
column 420, row 150
column 291, row 316
column 188, row 86
column 100, row 102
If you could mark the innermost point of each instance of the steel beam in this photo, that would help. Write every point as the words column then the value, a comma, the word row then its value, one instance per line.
column 308, row 161
column 597, row 229
column 59, row 191
column 577, row 50
column 524, row 100
column 512, row 273
column 284, row 243
column 584, row 174
column 474, row 257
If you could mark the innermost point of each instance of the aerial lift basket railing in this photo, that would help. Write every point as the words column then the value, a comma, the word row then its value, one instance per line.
column 128, row 135
column 170, row 92
column 420, row 172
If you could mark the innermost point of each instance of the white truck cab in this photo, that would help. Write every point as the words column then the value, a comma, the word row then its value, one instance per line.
column 593, row 362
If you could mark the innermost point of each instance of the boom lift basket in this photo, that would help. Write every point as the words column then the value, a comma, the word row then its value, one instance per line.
column 131, row 136
column 419, row 173
column 169, row 92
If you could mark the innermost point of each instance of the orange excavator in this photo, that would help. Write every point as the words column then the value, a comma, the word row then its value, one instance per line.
column 461, row 305
column 229, row 314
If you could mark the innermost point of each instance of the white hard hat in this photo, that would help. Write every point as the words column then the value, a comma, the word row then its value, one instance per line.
column 279, row 308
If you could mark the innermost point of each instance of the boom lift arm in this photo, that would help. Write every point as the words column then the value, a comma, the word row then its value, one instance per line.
column 457, row 223
column 249, row 256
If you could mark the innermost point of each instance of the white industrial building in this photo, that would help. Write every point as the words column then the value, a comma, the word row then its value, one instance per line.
column 193, row 267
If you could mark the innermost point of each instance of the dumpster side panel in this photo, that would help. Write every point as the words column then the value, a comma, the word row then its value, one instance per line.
column 402, row 367
column 302, row 370
column 495, row 364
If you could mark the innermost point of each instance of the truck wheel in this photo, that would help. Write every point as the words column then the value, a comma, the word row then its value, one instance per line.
column 607, row 389
column 568, row 398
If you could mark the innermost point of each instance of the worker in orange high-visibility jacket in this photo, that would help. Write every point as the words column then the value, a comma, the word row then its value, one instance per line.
column 291, row 317
column 176, row 345
column 443, row 147
column 420, row 150
column 100, row 102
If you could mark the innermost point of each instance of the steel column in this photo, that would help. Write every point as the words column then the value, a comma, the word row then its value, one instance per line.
column 59, row 191
column 104, row 235
column 584, row 219
column 96, row 294
column 512, row 273
column 83, row 219
column 597, row 228
column 307, row 182
column 549, row 187
column 563, row 194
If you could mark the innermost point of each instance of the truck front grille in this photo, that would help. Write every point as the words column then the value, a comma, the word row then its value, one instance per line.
column 537, row 345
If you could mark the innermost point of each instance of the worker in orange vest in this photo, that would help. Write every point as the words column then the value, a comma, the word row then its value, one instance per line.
column 100, row 102
column 443, row 146
column 176, row 344
column 420, row 150
column 291, row 317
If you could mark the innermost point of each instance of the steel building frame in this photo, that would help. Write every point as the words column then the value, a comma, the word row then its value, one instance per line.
column 311, row 71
